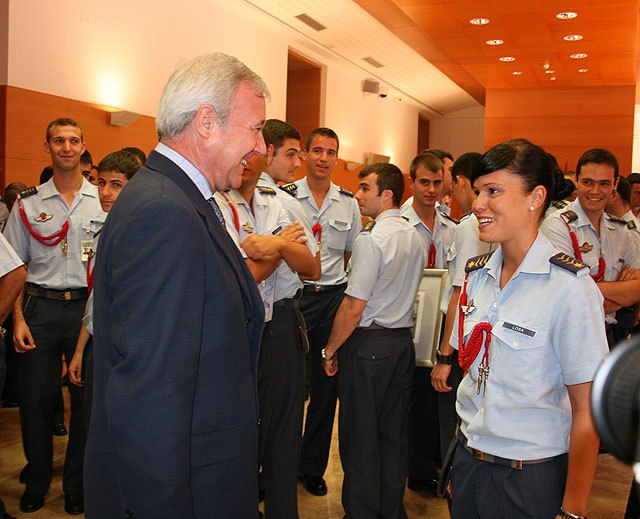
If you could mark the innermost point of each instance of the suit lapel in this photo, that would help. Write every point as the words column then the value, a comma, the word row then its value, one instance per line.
column 218, row 233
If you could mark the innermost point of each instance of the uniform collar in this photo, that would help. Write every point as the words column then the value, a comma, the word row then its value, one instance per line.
column 444, row 209
column 583, row 219
column 265, row 178
column 389, row 213
column 48, row 189
column 411, row 215
column 304, row 192
column 536, row 260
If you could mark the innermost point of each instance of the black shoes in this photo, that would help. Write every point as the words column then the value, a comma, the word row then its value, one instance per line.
column 314, row 484
column 22, row 478
column 73, row 505
column 420, row 485
column 60, row 430
column 30, row 503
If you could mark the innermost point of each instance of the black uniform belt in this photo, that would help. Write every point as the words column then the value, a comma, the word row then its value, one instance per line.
column 323, row 288
column 497, row 460
column 374, row 326
column 58, row 295
column 288, row 302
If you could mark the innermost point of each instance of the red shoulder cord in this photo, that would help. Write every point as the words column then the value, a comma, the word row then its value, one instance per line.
column 234, row 212
column 48, row 241
column 90, row 271
column 576, row 251
column 467, row 353
column 317, row 232
column 431, row 262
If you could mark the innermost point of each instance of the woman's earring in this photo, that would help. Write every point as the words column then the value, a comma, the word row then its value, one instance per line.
column 531, row 208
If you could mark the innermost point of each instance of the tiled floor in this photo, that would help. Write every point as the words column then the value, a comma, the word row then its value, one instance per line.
column 608, row 498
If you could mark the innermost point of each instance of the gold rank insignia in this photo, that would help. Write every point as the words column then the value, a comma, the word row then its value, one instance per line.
column 43, row 217
column 292, row 189
column 345, row 191
column 265, row 190
column 28, row 192
column 631, row 224
column 567, row 262
column 570, row 215
column 477, row 262
column 368, row 226
column 586, row 247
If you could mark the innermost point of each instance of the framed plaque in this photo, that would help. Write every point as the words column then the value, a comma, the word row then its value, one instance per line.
column 427, row 317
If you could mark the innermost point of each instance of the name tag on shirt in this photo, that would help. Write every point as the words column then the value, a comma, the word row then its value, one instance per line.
column 519, row 329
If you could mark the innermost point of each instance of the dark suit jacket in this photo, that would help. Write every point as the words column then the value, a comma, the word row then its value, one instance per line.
column 178, row 320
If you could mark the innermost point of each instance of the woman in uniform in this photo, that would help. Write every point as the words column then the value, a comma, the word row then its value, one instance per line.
column 530, row 332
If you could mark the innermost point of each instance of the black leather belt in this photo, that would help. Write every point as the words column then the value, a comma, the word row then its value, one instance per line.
column 312, row 289
column 373, row 326
column 497, row 460
column 57, row 295
column 289, row 301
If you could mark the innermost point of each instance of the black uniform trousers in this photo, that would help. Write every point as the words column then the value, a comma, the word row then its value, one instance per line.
column 54, row 325
column 87, row 379
column 376, row 375
column 281, row 410
column 319, row 310
column 483, row 490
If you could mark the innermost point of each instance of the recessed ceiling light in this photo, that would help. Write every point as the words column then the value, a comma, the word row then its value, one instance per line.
column 494, row 42
column 507, row 58
column 573, row 37
column 517, row 73
column 583, row 70
column 567, row 15
column 552, row 78
column 578, row 55
column 479, row 21
column 549, row 71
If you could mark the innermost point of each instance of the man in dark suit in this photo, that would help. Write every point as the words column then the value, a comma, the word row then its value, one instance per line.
column 178, row 317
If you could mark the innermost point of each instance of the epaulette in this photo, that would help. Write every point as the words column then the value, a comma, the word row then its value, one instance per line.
column 291, row 189
column 266, row 190
column 466, row 215
column 345, row 191
column 368, row 226
column 560, row 204
column 570, row 215
column 477, row 262
column 567, row 262
column 451, row 218
column 616, row 219
column 28, row 192
column 631, row 224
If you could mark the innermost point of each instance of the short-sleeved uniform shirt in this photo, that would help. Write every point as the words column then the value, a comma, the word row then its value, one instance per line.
column 536, row 350
column 385, row 270
column 9, row 260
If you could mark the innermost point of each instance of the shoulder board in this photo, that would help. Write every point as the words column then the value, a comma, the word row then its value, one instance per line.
column 450, row 218
column 98, row 232
column 477, row 262
column 28, row 192
column 292, row 189
column 567, row 262
column 465, row 216
column 631, row 224
column 560, row 204
column 368, row 226
column 266, row 190
column 616, row 219
column 345, row 191
column 570, row 215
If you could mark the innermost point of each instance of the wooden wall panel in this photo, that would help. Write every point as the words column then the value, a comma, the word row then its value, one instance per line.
column 27, row 115
column 565, row 121
column 303, row 100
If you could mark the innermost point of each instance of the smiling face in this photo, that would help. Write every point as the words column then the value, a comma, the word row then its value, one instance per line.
column 502, row 208
column 427, row 187
column 321, row 157
column 285, row 161
column 596, row 183
column 65, row 146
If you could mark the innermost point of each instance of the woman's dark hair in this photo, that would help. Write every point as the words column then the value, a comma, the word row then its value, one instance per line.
column 523, row 158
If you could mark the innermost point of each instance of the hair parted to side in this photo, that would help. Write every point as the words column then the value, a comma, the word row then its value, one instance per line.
column 63, row 121
column 389, row 177
column 598, row 156
column 524, row 159
column 121, row 162
column 207, row 79
column 276, row 132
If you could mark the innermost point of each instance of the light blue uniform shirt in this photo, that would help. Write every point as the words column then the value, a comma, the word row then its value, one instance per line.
column 385, row 270
column 47, row 212
column 287, row 280
column 9, row 260
column 547, row 334
column 87, row 319
column 339, row 217
column 268, row 218
column 635, row 228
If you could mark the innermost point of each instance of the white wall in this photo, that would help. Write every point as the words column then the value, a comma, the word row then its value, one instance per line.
column 459, row 132
column 120, row 53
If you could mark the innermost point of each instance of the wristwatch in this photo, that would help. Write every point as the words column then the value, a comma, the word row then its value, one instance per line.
column 2, row 331
column 444, row 359
column 568, row 515
column 324, row 355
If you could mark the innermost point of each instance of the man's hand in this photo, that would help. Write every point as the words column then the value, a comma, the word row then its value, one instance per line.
column 22, row 339
column 258, row 246
column 331, row 366
column 627, row 274
column 75, row 369
column 294, row 232
column 439, row 376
